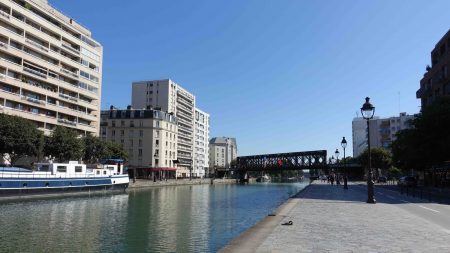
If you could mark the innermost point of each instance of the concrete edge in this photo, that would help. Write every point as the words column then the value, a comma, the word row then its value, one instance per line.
column 249, row 240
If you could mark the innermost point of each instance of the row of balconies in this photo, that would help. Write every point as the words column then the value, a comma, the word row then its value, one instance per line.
column 67, row 31
column 39, row 74
column 46, row 50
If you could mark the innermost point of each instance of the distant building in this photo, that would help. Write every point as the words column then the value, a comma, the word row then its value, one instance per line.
column 149, row 136
column 170, row 97
column 436, row 82
column 382, row 131
column 201, row 145
column 222, row 152
column 50, row 68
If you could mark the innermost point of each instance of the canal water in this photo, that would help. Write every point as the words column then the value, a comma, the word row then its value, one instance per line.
column 198, row 218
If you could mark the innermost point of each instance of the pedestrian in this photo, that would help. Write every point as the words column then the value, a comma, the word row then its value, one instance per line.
column 332, row 179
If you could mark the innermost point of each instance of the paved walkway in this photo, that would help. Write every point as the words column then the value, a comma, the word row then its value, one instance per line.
column 329, row 219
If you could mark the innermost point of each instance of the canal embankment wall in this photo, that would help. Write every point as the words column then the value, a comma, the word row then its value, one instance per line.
column 142, row 183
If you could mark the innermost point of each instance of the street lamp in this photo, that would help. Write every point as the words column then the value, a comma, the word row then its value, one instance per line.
column 367, row 111
column 153, row 172
column 337, row 166
column 344, row 145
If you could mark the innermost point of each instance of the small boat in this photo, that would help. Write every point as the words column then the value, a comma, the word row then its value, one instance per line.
column 61, row 178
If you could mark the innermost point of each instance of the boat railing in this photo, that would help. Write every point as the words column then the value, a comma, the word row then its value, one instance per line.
column 28, row 175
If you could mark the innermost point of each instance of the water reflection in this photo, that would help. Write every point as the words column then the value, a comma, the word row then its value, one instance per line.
column 200, row 218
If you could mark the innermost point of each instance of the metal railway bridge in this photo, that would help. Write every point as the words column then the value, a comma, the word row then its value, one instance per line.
column 308, row 160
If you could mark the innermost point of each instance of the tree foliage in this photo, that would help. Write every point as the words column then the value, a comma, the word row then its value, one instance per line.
column 428, row 143
column 19, row 137
column 381, row 158
column 64, row 145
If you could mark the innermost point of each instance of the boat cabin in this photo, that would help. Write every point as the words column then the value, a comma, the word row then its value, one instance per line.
column 71, row 168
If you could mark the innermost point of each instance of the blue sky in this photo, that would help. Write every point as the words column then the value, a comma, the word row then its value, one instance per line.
column 278, row 75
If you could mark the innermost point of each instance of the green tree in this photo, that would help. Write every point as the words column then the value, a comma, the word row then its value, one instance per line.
column 428, row 143
column 115, row 151
column 381, row 158
column 19, row 138
column 94, row 149
column 64, row 145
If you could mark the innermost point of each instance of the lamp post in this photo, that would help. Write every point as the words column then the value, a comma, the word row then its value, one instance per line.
column 337, row 167
column 367, row 111
column 344, row 145
column 153, row 172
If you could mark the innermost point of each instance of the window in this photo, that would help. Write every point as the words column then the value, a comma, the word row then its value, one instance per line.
column 157, row 143
column 113, row 133
column 141, row 123
column 113, row 123
column 84, row 74
column 78, row 169
column 140, row 153
column 140, row 143
column 132, row 123
column 141, row 133
column 98, row 172
column 122, row 133
column 61, row 169
column 104, row 172
column 122, row 123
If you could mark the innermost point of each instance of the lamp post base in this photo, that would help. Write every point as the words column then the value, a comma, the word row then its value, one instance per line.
column 370, row 197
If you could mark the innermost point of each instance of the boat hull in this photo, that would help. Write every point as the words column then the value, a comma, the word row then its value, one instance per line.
column 41, row 186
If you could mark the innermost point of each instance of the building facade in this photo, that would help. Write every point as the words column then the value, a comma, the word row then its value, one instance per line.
column 222, row 152
column 149, row 137
column 201, row 145
column 50, row 67
column 170, row 97
column 436, row 82
column 382, row 131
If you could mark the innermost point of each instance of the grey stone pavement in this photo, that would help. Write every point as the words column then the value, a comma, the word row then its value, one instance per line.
column 330, row 219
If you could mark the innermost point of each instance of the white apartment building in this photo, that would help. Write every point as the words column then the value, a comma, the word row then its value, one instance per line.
column 222, row 151
column 50, row 67
column 201, row 149
column 149, row 137
column 382, row 131
column 170, row 97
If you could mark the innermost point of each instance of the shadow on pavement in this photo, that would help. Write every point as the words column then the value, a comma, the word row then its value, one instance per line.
column 387, row 194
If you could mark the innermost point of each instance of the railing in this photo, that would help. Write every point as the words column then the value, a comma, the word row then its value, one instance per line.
column 68, row 122
column 62, row 95
column 69, row 72
column 37, row 45
column 4, row 14
column 70, row 48
column 33, row 100
column 438, row 195
column 4, row 45
column 48, row 175
column 32, row 71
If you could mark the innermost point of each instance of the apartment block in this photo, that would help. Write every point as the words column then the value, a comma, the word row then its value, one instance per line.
column 222, row 152
column 149, row 136
column 170, row 97
column 382, row 131
column 436, row 82
column 201, row 152
column 50, row 67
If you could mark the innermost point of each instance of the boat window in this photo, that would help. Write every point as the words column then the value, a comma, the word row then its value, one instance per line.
column 78, row 169
column 110, row 167
column 98, row 172
column 104, row 172
column 44, row 168
column 61, row 168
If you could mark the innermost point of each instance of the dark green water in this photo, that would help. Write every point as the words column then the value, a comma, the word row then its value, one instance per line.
column 200, row 218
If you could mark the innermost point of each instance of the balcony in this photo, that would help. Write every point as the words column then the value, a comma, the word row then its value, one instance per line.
column 3, row 45
column 67, row 122
column 35, row 72
column 419, row 93
column 65, row 96
column 35, row 44
column 68, row 46
column 4, row 14
column 66, row 71
column 33, row 100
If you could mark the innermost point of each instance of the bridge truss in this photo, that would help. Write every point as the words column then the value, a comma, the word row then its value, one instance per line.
column 283, row 161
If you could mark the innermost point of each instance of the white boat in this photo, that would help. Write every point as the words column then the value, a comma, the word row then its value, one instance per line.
column 62, row 177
